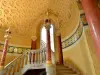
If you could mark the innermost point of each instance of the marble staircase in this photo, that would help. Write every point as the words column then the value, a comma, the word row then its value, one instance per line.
column 65, row 70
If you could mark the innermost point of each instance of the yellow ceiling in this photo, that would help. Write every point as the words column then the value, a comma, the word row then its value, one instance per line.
column 25, row 16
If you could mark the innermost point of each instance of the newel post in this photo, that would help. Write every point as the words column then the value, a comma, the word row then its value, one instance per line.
column 3, row 57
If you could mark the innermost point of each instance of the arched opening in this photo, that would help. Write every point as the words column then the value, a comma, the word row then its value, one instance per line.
column 43, row 37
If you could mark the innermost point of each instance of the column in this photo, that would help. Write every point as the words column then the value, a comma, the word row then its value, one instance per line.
column 49, row 66
column 33, row 42
column 33, row 47
column 48, row 46
column 92, row 13
column 3, row 57
column 59, row 48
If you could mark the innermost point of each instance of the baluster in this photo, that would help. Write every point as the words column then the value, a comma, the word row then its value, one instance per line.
column 15, row 66
column 16, row 70
column 24, row 59
column 28, row 58
column 7, row 71
column 18, row 65
column 12, row 70
column 38, row 56
column 4, row 72
column 44, row 55
column 35, row 57
column 32, row 57
column 21, row 64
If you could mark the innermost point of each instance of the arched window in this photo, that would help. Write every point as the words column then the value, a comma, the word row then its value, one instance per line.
column 43, row 37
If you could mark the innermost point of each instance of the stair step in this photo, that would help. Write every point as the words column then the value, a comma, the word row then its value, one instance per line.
column 63, row 70
column 66, row 74
column 66, row 71
column 62, row 66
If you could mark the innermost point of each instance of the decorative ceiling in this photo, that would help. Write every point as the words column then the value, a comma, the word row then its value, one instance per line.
column 22, row 15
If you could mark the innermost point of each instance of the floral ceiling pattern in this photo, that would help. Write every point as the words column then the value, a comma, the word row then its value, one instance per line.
column 21, row 15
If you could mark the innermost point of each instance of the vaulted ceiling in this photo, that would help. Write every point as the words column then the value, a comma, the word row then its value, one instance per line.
column 25, row 16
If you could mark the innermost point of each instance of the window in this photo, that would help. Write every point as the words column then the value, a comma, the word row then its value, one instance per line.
column 43, row 37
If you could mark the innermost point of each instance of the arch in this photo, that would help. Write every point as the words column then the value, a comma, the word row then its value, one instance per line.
column 43, row 37
column 40, row 21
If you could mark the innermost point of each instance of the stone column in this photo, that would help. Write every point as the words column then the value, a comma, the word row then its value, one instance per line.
column 3, row 57
column 59, row 48
column 92, row 13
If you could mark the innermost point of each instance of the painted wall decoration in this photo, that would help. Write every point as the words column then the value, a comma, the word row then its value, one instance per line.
column 71, row 40
column 83, row 19
column 14, row 49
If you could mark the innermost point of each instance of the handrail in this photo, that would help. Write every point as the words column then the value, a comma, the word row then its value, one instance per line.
column 29, row 57
column 22, row 55
column 12, row 62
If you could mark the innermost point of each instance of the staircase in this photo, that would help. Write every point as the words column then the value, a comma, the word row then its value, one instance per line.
column 65, row 70
column 34, row 61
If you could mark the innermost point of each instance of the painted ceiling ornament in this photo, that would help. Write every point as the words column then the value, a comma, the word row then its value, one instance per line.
column 34, row 38
column 16, row 13
column 58, row 32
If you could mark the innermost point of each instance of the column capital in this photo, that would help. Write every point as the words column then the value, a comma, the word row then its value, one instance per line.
column 58, row 32
column 34, row 38
column 47, row 24
column 7, row 34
